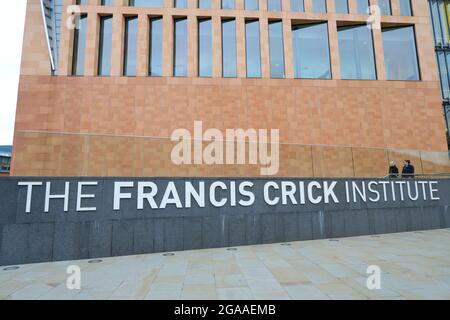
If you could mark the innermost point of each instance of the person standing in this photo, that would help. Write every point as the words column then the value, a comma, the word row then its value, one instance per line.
column 393, row 170
column 408, row 170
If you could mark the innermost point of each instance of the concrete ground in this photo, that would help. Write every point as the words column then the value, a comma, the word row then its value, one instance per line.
column 414, row 265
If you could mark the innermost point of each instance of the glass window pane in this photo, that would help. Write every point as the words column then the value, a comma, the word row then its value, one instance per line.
column 362, row 6
column 276, row 49
column 180, row 4
column 443, row 73
column 251, row 5
column 434, row 11
column 400, row 56
column 444, row 17
column 79, row 47
column 440, row 32
column 311, row 51
column 229, row 48
column 147, row 3
column 227, row 4
column 274, row 5
column 319, row 6
column 58, row 9
column 297, row 5
column 385, row 7
column 204, row 4
column 205, row 48
column 156, row 42
column 446, row 75
column 341, row 6
column 405, row 8
column 107, row 2
column 105, row 47
column 180, row 47
column 130, row 52
column 356, row 53
column 253, row 49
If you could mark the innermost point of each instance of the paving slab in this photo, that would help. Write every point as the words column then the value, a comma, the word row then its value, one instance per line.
column 412, row 265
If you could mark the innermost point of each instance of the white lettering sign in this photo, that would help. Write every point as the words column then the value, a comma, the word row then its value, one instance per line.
column 180, row 194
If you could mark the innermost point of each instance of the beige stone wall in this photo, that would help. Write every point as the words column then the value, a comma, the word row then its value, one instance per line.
column 120, row 126
column 35, row 54
column 52, row 154
column 376, row 114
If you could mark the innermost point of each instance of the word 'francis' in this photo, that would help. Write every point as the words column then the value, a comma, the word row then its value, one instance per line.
column 175, row 194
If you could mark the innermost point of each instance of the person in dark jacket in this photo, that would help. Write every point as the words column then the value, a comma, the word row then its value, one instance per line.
column 393, row 170
column 408, row 170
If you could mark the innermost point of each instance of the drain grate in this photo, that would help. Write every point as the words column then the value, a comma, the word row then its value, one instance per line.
column 285, row 244
column 11, row 268
column 169, row 254
column 95, row 261
column 232, row 249
column 333, row 240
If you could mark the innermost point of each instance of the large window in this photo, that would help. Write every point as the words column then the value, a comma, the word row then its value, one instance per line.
column 180, row 3
column 205, row 48
column 180, row 48
column 274, row 5
column 130, row 52
column 443, row 59
column 251, row 5
column 229, row 48
column 311, row 51
column 319, row 6
column 276, row 49
column 400, row 56
column 356, row 53
column 385, row 7
column 362, row 6
column 405, row 8
column 439, row 9
column 204, row 4
column 107, row 2
column 147, row 3
column 439, row 12
column 228, row 4
column 341, row 6
column 79, row 47
column 105, row 47
column 297, row 5
column 253, row 49
column 155, row 47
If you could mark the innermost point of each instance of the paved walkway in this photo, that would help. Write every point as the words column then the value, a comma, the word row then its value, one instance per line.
column 414, row 265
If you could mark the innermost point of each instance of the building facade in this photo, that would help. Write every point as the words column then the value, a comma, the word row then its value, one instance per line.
column 5, row 160
column 104, row 98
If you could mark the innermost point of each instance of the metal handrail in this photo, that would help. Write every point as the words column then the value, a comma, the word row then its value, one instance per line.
column 422, row 175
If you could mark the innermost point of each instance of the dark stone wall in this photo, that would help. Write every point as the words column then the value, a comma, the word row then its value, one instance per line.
column 57, row 235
